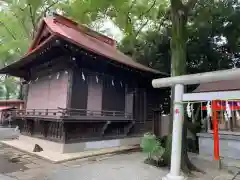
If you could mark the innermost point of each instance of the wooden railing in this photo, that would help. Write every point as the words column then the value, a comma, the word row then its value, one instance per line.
column 37, row 112
column 61, row 112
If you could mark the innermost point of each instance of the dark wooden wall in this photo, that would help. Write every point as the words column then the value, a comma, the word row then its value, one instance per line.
column 79, row 90
column 88, row 93
column 112, row 94
column 48, row 92
column 94, row 102
column 113, row 97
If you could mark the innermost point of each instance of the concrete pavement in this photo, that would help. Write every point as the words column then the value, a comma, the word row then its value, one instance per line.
column 8, row 133
column 3, row 177
column 108, row 167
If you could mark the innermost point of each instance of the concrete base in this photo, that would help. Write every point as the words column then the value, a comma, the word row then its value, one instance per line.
column 56, row 157
column 8, row 133
column 171, row 177
column 58, row 152
column 79, row 147
column 229, row 145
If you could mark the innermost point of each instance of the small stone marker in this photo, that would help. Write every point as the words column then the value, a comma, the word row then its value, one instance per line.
column 37, row 148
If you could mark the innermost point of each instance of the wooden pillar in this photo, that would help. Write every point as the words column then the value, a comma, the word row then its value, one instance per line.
column 234, row 119
column 209, row 123
column 215, row 130
column 69, row 90
column 145, row 105
column 157, row 122
column 64, row 132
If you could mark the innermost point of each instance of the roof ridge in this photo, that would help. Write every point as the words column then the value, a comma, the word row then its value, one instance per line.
column 84, row 29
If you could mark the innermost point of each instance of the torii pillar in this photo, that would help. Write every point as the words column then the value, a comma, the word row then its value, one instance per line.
column 178, row 82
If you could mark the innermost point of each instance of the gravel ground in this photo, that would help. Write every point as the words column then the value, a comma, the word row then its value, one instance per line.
column 16, row 165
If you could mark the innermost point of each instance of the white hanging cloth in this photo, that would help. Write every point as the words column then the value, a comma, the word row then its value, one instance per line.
column 189, row 110
column 121, row 83
column 238, row 103
column 228, row 110
column 237, row 111
column 58, row 74
column 83, row 77
column 226, row 116
column 237, row 115
column 209, row 109
column 97, row 79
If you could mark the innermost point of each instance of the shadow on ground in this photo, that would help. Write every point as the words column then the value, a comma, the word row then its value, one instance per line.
column 10, row 162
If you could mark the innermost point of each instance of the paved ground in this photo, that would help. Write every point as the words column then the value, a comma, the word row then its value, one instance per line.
column 8, row 133
column 119, row 167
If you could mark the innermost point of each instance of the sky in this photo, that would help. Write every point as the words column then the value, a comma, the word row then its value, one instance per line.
column 108, row 28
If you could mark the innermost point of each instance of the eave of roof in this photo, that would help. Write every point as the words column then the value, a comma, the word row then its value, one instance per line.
column 218, row 86
column 12, row 101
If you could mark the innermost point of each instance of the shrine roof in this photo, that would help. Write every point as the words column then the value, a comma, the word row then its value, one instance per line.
column 229, row 85
column 70, row 31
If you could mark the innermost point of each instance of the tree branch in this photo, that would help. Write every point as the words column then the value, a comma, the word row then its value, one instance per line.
column 190, row 4
column 32, row 17
column 147, row 11
column 22, row 23
column 128, row 18
column 166, row 17
column 140, row 29
column 145, row 23
column 8, row 30
column 46, row 10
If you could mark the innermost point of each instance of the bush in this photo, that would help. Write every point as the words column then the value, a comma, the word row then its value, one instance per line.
column 152, row 147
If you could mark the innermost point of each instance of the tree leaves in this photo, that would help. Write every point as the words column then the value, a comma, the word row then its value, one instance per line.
column 152, row 48
column 152, row 146
column 35, row 4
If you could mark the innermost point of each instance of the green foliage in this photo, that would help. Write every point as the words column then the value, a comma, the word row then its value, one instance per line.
column 18, row 23
column 205, row 50
column 152, row 146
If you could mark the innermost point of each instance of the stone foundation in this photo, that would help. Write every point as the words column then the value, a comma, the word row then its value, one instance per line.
column 229, row 145
column 79, row 147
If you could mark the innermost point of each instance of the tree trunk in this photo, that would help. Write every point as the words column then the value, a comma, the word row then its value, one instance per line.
column 178, row 67
column 20, row 95
column 7, row 95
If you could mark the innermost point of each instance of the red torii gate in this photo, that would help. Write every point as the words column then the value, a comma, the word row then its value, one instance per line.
column 218, row 105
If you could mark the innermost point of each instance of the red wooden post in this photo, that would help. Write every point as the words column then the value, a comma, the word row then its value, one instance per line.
column 215, row 130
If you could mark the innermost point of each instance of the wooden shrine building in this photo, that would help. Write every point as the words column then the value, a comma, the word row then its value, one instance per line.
column 80, row 89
